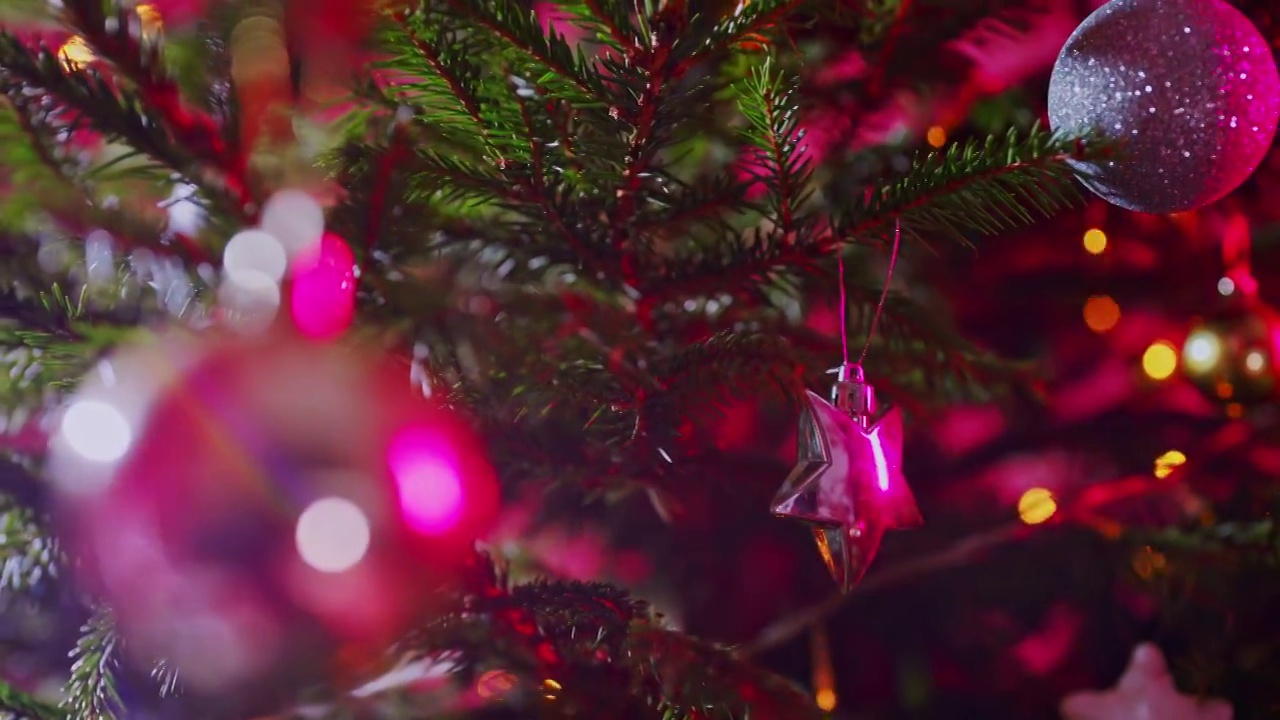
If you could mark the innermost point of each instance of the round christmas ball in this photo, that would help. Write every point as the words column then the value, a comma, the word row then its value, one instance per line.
column 1187, row 90
column 259, row 511
column 1231, row 354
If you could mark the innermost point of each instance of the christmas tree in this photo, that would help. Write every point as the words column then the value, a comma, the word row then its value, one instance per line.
column 443, row 359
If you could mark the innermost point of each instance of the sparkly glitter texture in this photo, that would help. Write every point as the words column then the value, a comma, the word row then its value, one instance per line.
column 1188, row 86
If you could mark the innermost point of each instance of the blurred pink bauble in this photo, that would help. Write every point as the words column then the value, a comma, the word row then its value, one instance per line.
column 253, row 509
column 322, row 294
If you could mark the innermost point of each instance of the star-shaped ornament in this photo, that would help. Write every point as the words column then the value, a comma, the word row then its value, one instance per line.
column 848, row 483
column 1145, row 692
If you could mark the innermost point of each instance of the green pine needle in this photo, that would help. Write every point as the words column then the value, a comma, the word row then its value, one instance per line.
column 91, row 690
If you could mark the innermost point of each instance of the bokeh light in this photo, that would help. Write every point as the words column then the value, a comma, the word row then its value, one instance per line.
column 323, row 294
column 255, row 251
column 1202, row 351
column 75, row 53
column 1095, row 241
column 1036, row 506
column 1226, row 286
column 150, row 19
column 96, row 431
column 936, row 136
column 295, row 219
column 1101, row 313
column 333, row 535
column 1255, row 361
column 1168, row 462
column 1160, row 360
column 249, row 301
column 426, row 478
column 825, row 699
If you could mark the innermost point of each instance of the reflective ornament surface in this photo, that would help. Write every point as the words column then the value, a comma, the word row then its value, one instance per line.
column 848, row 483
column 1187, row 89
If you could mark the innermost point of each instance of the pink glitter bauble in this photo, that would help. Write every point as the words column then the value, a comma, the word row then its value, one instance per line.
column 1187, row 89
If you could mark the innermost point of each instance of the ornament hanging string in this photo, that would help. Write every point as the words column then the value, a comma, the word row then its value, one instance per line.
column 884, row 297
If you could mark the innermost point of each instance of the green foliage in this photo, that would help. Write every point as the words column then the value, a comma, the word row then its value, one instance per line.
column 17, row 705
column 91, row 690
column 986, row 187
column 30, row 554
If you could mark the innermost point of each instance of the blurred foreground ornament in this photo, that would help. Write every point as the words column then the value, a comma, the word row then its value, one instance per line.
column 1146, row 690
column 848, row 482
column 1187, row 88
column 256, row 510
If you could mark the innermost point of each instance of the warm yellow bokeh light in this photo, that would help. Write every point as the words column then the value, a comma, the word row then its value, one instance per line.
column 150, row 18
column 1036, row 506
column 1095, row 241
column 1160, row 360
column 825, row 699
column 1101, row 313
column 937, row 136
column 76, row 53
column 1168, row 462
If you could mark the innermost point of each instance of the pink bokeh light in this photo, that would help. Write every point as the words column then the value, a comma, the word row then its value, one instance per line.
column 323, row 293
column 427, row 481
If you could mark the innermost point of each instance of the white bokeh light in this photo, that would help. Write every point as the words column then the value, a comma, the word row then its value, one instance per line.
column 255, row 251
column 250, row 300
column 1226, row 286
column 1202, row 351
column 333, row 535
column 295, row 219
column 96, row 431
column 1255, row 361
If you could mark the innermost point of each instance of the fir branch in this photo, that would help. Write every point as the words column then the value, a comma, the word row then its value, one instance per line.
column 91, row 690
column 85, row 98
column 29, row 554
column 984, row 187
column 547, row 55
column 767, row 100
column 23, row 706
column 115, row 37
column 614, row 19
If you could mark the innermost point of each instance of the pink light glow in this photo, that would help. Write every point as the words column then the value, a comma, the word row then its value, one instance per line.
column 427, row 482
column 323, row 294
column 882, row 465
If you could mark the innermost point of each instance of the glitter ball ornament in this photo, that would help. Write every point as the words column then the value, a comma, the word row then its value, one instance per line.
column 1230, row 355
column 1187, row 88
column 257, row 511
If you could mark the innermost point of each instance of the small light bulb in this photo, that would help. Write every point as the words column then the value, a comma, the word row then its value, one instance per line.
column 1226, row 286
column 937, row 136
